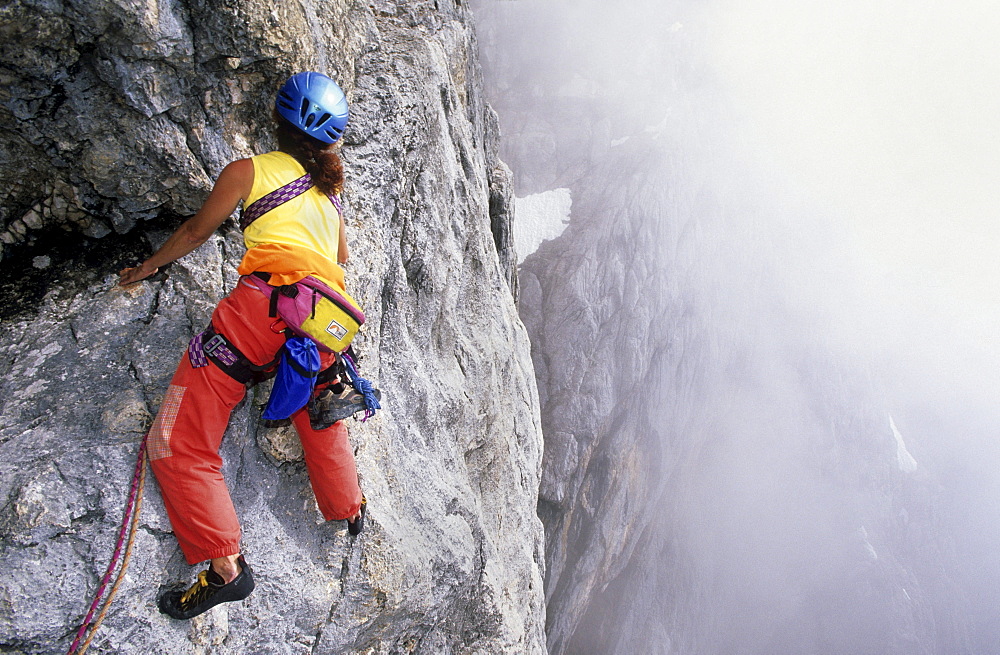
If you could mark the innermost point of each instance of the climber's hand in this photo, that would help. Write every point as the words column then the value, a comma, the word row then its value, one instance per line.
column 132, row 275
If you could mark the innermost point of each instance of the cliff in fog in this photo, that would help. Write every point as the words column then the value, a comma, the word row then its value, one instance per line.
column 720, row 474
column 116, row 118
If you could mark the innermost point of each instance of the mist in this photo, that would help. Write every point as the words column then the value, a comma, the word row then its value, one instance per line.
column 883, row 117
column 810, row 189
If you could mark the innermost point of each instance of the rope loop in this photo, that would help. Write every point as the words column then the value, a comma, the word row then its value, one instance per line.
column 130, row 522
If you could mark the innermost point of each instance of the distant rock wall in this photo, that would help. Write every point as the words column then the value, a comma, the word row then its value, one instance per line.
column 710, row 483
column 116, row 116
column 719, row 475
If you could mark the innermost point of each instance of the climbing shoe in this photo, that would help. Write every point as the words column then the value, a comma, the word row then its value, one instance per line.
column 207, row 592
column 329, row 406
column 355, row 527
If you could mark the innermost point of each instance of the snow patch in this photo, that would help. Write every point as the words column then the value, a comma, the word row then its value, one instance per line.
column 903, row 457
column 539, row 218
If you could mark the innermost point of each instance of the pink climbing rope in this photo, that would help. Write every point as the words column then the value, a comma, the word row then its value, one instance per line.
column 128, row 518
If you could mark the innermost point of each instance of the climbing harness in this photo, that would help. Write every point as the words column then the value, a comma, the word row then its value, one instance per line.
column 130, row 520
column 214, row 346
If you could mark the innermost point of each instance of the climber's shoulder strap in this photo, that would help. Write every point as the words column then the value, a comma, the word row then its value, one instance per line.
column 336, row 203
column 274, row 199
column 212, row 346
column 280, row 196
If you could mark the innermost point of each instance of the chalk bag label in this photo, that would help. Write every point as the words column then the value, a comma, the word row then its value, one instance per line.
column 336, row 329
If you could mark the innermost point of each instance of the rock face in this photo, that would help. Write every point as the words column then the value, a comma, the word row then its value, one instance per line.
column 117, row 115
column 718, row 476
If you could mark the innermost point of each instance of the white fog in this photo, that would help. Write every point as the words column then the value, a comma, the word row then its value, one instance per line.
column 809, row 194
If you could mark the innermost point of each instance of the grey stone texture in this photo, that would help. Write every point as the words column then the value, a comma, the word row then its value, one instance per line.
column 116, row 116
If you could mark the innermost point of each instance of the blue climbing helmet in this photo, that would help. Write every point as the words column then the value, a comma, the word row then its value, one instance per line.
column 315, row 104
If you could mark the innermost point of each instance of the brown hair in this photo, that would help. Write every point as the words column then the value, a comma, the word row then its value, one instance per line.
column 318, row 158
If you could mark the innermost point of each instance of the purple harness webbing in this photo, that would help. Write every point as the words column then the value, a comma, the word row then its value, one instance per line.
column 210, row 346
column 336, row 203
column 280, row 196
column 216, row 347
column 195, row 352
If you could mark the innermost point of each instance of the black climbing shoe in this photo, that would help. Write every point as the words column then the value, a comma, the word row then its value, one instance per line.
column 207, row 592
column 355, row 527
column 329, row 407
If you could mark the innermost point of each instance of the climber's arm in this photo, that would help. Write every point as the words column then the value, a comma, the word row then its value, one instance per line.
column 233, row 185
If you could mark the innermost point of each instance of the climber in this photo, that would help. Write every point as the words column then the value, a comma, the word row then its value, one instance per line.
column 303, row 236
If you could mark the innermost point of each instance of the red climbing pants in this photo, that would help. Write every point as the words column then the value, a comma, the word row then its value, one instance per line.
column 184, row 441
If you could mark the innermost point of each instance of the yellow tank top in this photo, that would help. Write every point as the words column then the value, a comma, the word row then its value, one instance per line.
column 297, row 238
column 309, row 220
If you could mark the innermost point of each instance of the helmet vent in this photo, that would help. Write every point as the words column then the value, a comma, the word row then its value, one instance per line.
column 323, row 119
column 304, row 108
column 285, row 101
